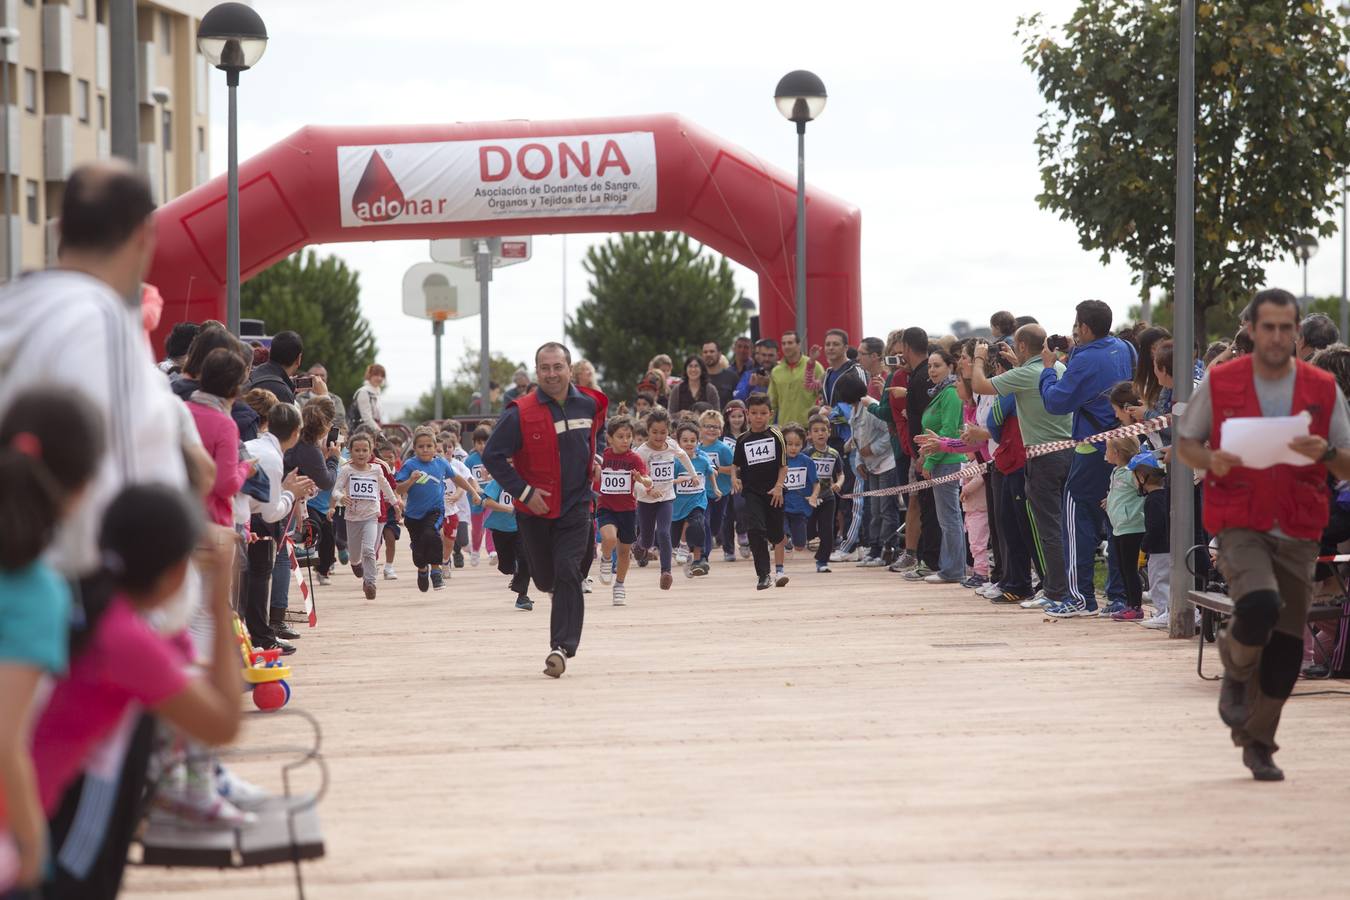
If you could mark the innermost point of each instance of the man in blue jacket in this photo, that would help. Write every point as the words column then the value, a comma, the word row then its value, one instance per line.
column 1098, row 362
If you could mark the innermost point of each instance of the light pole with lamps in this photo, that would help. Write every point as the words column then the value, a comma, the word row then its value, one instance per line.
column 1344, row 11
column 800, row 97
column 8, row 37
column 232, row 37
column 162, row 95
column 1305, row 248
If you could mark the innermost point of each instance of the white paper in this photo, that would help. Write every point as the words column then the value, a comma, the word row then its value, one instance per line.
column 1262, row 442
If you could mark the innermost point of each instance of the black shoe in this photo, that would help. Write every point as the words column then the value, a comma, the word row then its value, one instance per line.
column 437, row 579
column 1233, row 702
column 357, row 570
column 1258, row 758
column 641, row 557
column 555, row 664
column 1317, row 670
column 282, row 630
column 459, row 558
column 424, row 581
column 285, row 647
column 525, row 603
column 764, row 583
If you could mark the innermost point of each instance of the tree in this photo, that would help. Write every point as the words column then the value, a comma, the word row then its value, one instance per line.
column 1271, row 138
column 321, row 301
column 652, row 293
column 463, row 384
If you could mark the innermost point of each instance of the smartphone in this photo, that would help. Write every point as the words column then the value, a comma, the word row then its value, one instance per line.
column 333, row 434
column 304, row 382
column 1058, row 343
column 892, row 361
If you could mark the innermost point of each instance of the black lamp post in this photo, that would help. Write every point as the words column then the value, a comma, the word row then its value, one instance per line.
column 232, row 37
column 800, row 97
column 1305, row 248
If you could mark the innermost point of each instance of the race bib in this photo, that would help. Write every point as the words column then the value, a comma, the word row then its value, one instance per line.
column 663, row 471
column 505, row 499
column 795, row 479
column 693, row 487
column 616, row 481
column 730, row 442
column 481, row 474
column 824, row 467
column 760, row 451
column 363, row 488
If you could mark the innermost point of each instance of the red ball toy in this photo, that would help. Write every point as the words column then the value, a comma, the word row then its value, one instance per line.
column 270, row 696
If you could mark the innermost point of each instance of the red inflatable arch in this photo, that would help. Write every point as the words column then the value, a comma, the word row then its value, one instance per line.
column 643, row 173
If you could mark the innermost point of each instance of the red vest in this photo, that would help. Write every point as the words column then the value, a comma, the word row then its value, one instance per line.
column 538, row 460
column 1293, row 497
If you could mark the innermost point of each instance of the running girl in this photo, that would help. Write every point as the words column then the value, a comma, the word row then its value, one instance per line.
column 801, row 491
column 657, row 502
column 689, row 513
column 479, row 513
column 723, row 456
column 621, row 470
column 360, row 487
column 386, row 455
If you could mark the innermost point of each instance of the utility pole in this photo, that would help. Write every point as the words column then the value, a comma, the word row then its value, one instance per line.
column 124, row 94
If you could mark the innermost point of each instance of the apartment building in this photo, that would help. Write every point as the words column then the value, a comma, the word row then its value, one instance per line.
column 57, row 113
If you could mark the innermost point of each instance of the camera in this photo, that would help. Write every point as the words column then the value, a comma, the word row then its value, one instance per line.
column 1058, row 343
column 761, row 372
column 333, row 434
column 304, row 382
column 893, row 361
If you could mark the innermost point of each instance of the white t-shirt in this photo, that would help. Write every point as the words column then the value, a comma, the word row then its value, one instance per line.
column 663, row 467
column 460, row 507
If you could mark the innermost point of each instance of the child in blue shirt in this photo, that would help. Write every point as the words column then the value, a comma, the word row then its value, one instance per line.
column 801, row 485
column 511, row 560
column 423, row 479
column 722, row 455
column 478, row 514
column 691, row 501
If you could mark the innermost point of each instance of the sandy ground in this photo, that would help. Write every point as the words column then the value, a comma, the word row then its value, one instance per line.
column 849, row 735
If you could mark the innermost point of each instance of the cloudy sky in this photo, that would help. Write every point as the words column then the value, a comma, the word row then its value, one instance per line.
column 928, row 130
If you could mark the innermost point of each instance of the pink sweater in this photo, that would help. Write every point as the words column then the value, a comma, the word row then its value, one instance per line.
column 221, row 437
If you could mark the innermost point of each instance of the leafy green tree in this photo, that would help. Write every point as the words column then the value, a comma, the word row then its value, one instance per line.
column 1272, row 102
column 321, row 301
column 462, row 385
column 652, row 293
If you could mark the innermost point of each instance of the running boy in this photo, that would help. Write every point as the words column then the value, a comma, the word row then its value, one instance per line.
column 423, row 479
column 657, row 502
column 474, row 462
column 511, row 560
column 761, row 466
column 359, row 487
column 620, row 470
column 689, row 514
column 801, row 489
column 387, row 456
column 830, row 476
column 721, row 454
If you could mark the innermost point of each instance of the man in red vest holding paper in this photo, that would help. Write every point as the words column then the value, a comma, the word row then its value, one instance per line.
column 543, row 453
column 1269, row 521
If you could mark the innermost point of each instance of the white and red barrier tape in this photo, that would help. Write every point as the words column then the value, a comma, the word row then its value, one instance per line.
column 310, row 612
column 970, row 471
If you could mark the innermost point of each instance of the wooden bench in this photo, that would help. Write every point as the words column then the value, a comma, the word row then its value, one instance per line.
column 1215, row 608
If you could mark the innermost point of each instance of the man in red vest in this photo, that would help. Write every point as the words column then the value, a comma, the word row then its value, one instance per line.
column 1268, row 521
column 543, row 453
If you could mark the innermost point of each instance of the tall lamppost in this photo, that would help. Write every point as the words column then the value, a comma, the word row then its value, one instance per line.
column 232, row 37
column 800, row 97
column 1344, row 11
column 1305, row 248
column 8, row 37
column 162, row 95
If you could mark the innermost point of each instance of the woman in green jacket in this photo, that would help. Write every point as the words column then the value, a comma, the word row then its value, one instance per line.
column 943, row 417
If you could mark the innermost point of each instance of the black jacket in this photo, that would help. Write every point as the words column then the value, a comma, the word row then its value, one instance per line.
column 272, row 377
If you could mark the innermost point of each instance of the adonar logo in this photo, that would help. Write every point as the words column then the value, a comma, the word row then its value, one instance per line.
column 378, row 198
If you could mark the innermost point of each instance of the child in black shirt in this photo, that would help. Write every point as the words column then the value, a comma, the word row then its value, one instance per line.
column 1152, row 480
column 761, row 465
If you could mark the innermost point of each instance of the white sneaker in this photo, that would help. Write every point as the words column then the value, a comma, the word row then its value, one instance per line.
column 838, row 556
column 620, row 595
column 323, row 579
column 1146, row 596
column 990, row 591
column 681, row 556
column 473, row 558
column 1037, row 600
column 587, row 585
column 389, row 573
column 606, row 571
column 872, row 562
column 492, row 557
column 243, row 794
column 1160, row 622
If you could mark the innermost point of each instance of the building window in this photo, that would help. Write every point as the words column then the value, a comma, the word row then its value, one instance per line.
column 165, row 33
column 168, row 131
column 101, row 11
column 30, row 196
column 82, row 100
column 201, row 139
column 82, row 9
column 30, row 90
column 102, row 113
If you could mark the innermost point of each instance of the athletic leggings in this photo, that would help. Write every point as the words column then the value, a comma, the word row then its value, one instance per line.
column 654, row 524
column 425, row 538
column 733, row 522
column 480, row 532
column 694, row 530
column 1127, row 558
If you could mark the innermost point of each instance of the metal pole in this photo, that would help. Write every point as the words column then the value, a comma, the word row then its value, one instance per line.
column 1181, row 614
column 564, row 285
column 437, row 330
column 483, row 271
column 801, row 233
column 1345, row 285
column 232, row 210
column 9, row 222
column 163, row 156
column 1305, row 276
column 123, row 96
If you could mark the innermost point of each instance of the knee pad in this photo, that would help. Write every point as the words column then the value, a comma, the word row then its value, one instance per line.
column 1280, row 664
column 1254, row 617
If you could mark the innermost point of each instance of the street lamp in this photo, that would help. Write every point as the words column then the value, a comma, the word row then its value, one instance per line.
column 8, row 36
column 162, row 95
column 1305, row 248
column 800, row 97
column 232, row 37
column 1344, row 11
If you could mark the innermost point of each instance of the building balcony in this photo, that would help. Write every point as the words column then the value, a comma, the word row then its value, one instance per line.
column 58, row 146
column 56, row 42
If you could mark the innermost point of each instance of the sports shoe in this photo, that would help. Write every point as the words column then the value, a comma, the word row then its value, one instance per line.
column 744, row 551
column 918, row 573
column 681, row 556
column 555, row 664
column 906, row 561
column 358, row 571
column 1257, row 757
column 1069, row 609
column 437, row 580
column 243, row 794
column 1010, row 597
column 689, row 568
column 781, row 579
column 974, row 582
column 459, row 558
column 1113, row 607
column 640, row 554
column 606, row 571
column 701, row 568
column 823, row 568
column 389, row 573
column 620, row 595
column 203, row 809
column 492, row 557
column 587, row 585
column 873, row 562
column 990, row 590
column 322, row 579
column 728, row 557
column 343, row 556
column 1160, row 622
column 523, row 602
column 473, row 559
column 764, row 583
column 667, row 580
column 369, row 588
column 838, row 556
column 1129, row 614
column 939, row 578
column 423, row 581
column 1036, row 601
